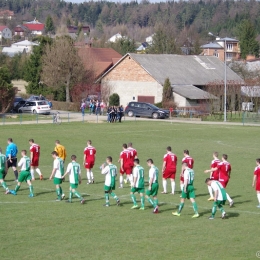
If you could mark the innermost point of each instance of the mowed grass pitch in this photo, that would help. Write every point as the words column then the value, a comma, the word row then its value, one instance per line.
column 40, row 228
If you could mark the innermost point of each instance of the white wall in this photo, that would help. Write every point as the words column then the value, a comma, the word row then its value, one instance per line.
column 179, row 100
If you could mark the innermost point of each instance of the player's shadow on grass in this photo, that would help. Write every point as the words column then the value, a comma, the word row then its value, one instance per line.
column 202, row 194
column 241, row 202
column 232, row 215
column 44, row 192
column 236, row 196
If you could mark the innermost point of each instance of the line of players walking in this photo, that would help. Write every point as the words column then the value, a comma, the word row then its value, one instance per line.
column 220, row 173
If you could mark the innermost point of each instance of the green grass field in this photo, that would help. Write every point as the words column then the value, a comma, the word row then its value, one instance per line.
column 40, row 228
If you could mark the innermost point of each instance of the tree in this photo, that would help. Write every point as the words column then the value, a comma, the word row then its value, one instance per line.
column 7, row 91
column 247, row 37
column 114, row 100
column 124, row 45
column 49, row 25
column 167, row 92
column 61, row 65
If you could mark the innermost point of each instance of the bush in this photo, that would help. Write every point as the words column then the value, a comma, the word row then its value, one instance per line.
column 159, row 104
column 169, row 104
column 72, row 106
column 114, row 100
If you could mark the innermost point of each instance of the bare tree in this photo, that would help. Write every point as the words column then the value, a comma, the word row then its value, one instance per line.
column 62, row 65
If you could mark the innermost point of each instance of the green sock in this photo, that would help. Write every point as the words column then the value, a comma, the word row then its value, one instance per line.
column 181, row 207
column 17, row 188
column 77, row 194
column 4, row 185
column 214, row 209
column 70, row 196
column 58, row 193
column 107, row 198
column 31, row 189
column 221, row 209
column 142, row 201
column 133, row 199
column 60, row 190
column 195, row 207
column 156, row 202
column 114, row 195
column 151, row 201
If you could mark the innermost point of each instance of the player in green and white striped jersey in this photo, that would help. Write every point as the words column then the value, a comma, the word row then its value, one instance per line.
column 138, row 184
column 57, row 172
column 110, row 170
column 3, row 171
column 153, row 185
column 25, row 175
column 188, row 191
column 73, row 169
column 220, row 197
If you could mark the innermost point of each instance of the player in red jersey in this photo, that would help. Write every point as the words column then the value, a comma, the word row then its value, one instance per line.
column 189, row 161
column 35, row 156
column 169, row 169
column 224, row 169
column 126, row 166
column 133, row 154
column 256, row 180
column 89, row 161
column 213, row 175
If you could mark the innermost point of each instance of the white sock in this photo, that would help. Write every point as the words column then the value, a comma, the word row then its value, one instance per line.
column 173, row 186
column 88, row 176
column 130, row 178
column 91, row 176
column 38, row 171
column 181, row 186
column 229, row 199
column 164, row 184
column 32, row 173
column 210, row 191
column 258, row 196
column 121, row 178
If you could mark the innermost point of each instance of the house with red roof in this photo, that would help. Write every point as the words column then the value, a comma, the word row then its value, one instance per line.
column 5, row 32
column 6, row 14
column 21, row 30
column 35, row 27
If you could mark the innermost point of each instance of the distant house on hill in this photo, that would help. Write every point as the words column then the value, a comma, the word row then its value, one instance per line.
column 5, row 32
column 21, row 30
column 19, row 47
column 35, row 27
column 6, row 14
column 115, row 37
column 73, row 30
column 218, row 47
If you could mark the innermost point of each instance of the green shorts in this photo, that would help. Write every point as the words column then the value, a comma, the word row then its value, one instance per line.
column 139, row 190
column 57, row 181
column 74, row 185
column 190, row 194
column 219, row 203
column 24, row 176
column 108, row 188
column 2, row 174
column 154, row 190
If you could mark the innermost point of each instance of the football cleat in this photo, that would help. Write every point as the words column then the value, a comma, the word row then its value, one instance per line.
column 163, row 192
column 13, row 192
column 31, row 195
column 258, row 206
column 211, row 199
column 7, row 192
column 231, row 203
column 135, row 207
column 68, row 201
column 176, row 214
column 156, row 210
column 106, row 205
column 211, row 217
column 41, row 177
column 58, row 199
column 63, row 196
column 118, row 202
column 125, row 181
column 82, row 201
column 141, row 208
column 223, row 216
column 195, row 215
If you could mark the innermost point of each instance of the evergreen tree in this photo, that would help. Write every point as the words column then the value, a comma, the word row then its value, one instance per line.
column 114, row 100
column 167, row 91
column 49, row 26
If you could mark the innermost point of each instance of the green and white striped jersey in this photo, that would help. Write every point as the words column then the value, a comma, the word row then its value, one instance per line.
column 73, row 169
column 25, row 163
column 111, row 171
column 217, row 186
column 153, row 174
column 189, row 175
column 138, row 173
column 2, row 161
column 59, row 166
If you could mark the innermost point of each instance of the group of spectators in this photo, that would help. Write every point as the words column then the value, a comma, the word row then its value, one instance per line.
column 115, row 114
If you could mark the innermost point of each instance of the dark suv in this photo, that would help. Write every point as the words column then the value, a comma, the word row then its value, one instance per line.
column 145, row 110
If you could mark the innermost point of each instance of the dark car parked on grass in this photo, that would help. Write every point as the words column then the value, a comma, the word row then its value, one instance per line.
column 145, row 110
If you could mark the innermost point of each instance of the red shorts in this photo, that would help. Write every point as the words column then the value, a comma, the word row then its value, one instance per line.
column 169, row 174
column 89, row 165
column 224, row 182
column 35, row 162
column 127, row 170
column 182, row 178
column 214, row 176
column 257, row 186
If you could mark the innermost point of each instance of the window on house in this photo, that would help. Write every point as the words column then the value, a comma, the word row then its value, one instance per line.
column 229, row 47
column 216, row 54
column 229, row 56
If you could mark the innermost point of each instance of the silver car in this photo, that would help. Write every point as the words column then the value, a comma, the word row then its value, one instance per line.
column 35, row 107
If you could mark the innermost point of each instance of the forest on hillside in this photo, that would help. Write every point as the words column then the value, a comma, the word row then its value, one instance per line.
column 189, row 20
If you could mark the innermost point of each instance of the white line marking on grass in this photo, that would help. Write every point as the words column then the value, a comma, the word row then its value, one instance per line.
column 230, row 145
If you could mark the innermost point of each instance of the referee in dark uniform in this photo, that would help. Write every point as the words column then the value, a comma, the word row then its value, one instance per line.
column 11, row 156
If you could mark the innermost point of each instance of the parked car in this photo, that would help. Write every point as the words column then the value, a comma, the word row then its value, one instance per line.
column 18, row 105
column 17, row 100
column 35, row 107
column 145, row 110
column 33, row 97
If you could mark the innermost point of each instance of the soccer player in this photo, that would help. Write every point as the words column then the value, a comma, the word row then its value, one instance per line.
column 110, row 172
column 133, row 155
column 89, row 161
column 2, row 171
column 190, row 162
column 60, row 149
column 188, row 191
column 25, row 175
column 125, row 166
column 153, row 185
column 220, row 197
column 73, row 169
column 138, row 184
column 224, row 169
column 213, row 175
column 169, row 169
column 57, row 172
column 11, row 156
column 35, row 156
column 256, row 180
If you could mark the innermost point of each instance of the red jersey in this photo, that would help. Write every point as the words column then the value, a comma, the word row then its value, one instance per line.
column 127, row 158
column 171, row 161
column 224, row 169
column 214, row 175
column 133, row 153
column 189, row 160
column 257, row 174
column 35, row 149
column 90, row 154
